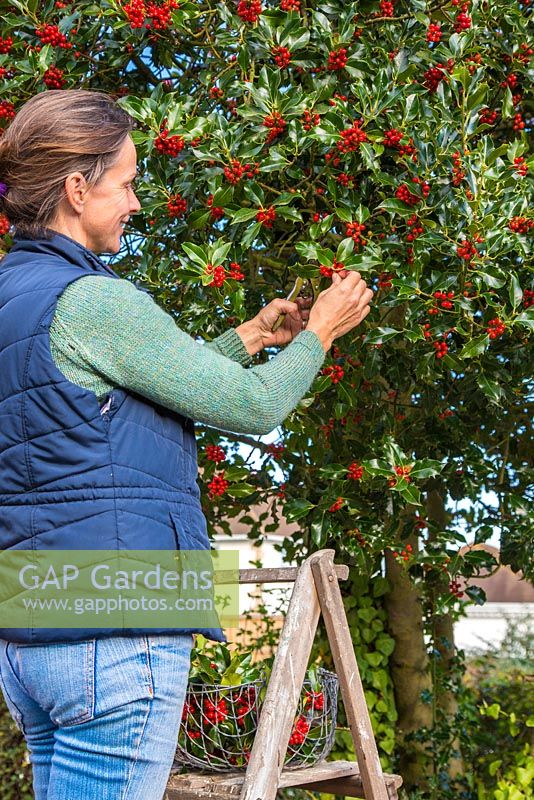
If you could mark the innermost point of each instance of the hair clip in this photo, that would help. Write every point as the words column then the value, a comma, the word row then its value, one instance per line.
column 3, row 189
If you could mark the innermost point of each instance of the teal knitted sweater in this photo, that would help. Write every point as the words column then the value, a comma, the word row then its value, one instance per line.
column 107, row 333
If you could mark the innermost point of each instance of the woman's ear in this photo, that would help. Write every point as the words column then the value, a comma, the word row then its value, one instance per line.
column 76, row 190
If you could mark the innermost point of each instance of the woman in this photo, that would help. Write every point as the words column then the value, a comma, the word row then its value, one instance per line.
column 97, row 451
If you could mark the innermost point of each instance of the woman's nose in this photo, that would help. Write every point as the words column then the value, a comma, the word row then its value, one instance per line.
column 135, row 205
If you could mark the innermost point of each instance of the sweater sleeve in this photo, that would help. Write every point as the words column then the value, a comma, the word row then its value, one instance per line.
column 231, row 345
column 124, row 336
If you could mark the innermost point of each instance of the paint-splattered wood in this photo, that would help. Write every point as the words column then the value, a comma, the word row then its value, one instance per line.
column 270, row 575
column 350, row 681
column 284, row 688
column 334, row 777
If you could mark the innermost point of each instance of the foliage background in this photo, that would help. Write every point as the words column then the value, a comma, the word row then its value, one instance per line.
column 286, row 137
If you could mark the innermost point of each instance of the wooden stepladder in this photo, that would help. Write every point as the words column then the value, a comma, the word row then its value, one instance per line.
column 316, row 590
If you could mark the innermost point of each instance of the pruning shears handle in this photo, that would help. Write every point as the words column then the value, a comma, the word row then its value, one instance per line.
column 299, row 284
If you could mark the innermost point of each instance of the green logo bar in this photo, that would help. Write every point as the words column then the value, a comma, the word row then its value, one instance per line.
column 177, row 589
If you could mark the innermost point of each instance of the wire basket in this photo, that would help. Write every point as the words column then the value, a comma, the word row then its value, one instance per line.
column 219, row 724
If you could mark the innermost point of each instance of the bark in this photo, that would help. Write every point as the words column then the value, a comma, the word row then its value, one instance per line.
column 409, row 670
column 443, row 636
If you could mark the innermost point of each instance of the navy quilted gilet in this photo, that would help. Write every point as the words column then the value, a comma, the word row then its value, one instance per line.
column 72, row 477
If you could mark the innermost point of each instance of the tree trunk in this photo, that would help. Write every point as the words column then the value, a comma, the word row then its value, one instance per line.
column 443, row 636
column 409, row 670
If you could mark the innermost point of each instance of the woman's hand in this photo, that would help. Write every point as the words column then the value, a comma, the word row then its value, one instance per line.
column 257, row 332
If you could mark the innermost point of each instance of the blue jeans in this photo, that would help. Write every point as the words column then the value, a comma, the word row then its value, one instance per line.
column 100, row 716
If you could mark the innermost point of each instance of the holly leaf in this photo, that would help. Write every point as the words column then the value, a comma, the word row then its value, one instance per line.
column 475, row 347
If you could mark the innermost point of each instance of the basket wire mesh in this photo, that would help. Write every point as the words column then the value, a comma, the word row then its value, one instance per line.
column 219, row 724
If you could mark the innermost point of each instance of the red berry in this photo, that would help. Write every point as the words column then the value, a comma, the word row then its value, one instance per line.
column 177, row 206
column 249, row 10
column 337, row 59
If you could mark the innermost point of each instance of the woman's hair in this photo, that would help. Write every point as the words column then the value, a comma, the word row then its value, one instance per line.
column 53, row 134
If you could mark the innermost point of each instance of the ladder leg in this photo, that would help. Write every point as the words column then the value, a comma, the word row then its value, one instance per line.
column 331, row 604
column 283, row 692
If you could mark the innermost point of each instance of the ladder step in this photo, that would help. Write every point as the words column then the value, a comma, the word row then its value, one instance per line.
column 334, row 777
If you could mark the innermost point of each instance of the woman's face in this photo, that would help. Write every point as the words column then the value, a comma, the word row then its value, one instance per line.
column 109, row 204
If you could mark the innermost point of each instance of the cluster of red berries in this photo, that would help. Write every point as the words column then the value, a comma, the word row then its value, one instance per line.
column 392, row 137
column 454, row 588
column 216, row 93
column 50, row 34
column 466, row 250
column 333, row 158
column 160, row 15
column 169, row 145
column 310, row 120
column 300, row 729
column 336, row 505
column 282, row 56
column 334, row 371
column 521, row 224
column 7, row 110
column 486, row 116
column 442, row 300
column 520, row 166
column 401, row 472
column 218, row 275
column 416, row 229
column 335, row 97
column 405, row 554
column 403, row 192
column 346, row 180
column 528, row 298
column 355, row 471
column 216, row 212
column 473, row 61
column 352, row 137
column 266, row 216
column 276, row 451
column 53, row 78
column 217, row 486
column 463, row 20
column 235, row 271
column 242, row 709
column 315, row 700
column 276, row 124
column 355, row 230
column 290, row 5
column 136, row 13
column 496, row 328
column 6, row 44
column 433, row 77
column 434, row 33
column 510, row 81
column 235, row 171
column 447, row 413
column 384, row 280
column 457, row 173
column 249, row 10
column 337, row 59
column 441, row 349
column 215, row 712
column 519, row 122
column 387, row 8
column 4, row 225
column 337, row 266
column 177, row 206
column 215, row 452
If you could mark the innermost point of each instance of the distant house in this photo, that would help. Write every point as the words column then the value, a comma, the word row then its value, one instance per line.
column 508, row 597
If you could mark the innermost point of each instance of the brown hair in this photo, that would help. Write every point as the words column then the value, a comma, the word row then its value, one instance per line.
column 56, row 132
